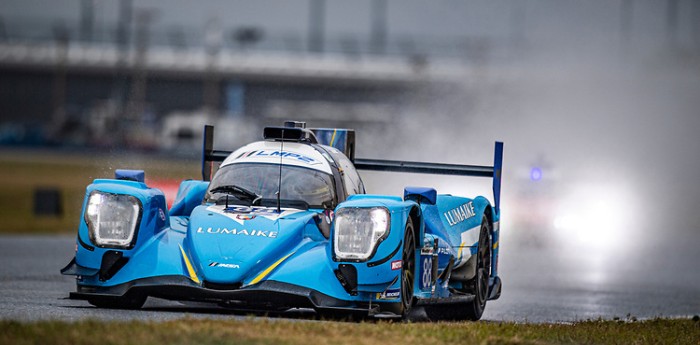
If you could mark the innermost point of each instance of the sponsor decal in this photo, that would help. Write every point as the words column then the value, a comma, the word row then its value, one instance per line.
column 258, row 210
column 389, row 294
column 443, row 251
column 243, row 232
column 460, row 213
column 396, row 265
column 161, row 214
column 246, row 154
column 278, row 153
column 218, row 264
column 245, row 216
column 426, row 272
column 237, row 212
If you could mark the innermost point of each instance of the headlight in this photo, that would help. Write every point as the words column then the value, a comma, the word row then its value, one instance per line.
column 112, row 219
column 358, row 231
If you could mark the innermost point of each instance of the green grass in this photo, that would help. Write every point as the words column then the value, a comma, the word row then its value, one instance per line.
column 266, row 331
column 21, row 172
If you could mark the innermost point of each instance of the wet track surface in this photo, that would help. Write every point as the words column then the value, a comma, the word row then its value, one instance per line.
column 538, row 287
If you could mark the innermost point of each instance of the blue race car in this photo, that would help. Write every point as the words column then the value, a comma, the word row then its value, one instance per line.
column 285, row 223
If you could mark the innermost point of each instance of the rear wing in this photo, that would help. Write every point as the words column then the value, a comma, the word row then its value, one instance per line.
column 211, row 156
column 444, row 169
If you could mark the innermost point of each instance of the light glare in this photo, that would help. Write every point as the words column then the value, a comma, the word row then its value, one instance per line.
column 112, row 219
column 358, row 230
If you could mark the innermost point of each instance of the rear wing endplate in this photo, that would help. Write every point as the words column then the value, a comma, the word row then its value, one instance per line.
column 211, row 156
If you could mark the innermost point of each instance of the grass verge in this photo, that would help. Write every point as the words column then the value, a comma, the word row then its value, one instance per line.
column 22, row 172
column 266, row 331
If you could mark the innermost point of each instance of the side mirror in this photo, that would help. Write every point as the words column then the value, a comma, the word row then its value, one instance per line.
column 323, row 222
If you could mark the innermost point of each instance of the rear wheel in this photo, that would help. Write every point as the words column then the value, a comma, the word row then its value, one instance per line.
column 479, row 285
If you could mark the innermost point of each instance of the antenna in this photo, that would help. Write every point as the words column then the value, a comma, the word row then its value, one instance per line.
column 279, row 182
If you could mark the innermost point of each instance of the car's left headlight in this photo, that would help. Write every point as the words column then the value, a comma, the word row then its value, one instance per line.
column 358, row 231
column 112, row 219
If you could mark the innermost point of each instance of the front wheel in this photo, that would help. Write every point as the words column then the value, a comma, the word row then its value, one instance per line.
column 408, row 258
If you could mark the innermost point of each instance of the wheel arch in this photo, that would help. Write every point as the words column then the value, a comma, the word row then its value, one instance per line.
column 488, row 212
column 415, row 215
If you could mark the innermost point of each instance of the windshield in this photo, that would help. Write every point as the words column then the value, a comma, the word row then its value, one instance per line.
column 313, row 187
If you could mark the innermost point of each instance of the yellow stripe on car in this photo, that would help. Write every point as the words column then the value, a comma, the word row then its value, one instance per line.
column 495, row 245
column 267, row 271
column 333, row 137
column 190, row 269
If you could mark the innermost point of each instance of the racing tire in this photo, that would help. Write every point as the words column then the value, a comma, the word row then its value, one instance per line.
column 128, row 301
column 408, row 263
column 479, row 286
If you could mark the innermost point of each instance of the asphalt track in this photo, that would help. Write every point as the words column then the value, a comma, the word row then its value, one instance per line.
column 537, row 288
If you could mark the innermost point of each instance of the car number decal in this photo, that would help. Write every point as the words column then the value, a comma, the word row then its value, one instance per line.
column 426, row 272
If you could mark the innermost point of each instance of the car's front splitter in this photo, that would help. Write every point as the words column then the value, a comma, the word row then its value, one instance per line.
column 267, row 295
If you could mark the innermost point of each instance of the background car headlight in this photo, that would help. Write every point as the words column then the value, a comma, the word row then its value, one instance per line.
column 112, row 219
column 358, row 231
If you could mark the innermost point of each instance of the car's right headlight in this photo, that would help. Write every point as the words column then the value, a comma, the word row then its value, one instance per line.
column 358, row 231
column 112, row 219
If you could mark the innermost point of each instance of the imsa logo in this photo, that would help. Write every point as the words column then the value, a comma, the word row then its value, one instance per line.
column 218, row 264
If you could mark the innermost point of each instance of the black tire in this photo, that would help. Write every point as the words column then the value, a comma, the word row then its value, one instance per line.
column 479, row 286
column 407, row 275
column 408, row 263
column 128, row 301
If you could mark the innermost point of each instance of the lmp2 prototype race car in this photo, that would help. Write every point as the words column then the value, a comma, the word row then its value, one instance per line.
column 285, row 223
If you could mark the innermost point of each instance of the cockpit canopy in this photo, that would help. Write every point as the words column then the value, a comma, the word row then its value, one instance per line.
column 300, row 186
